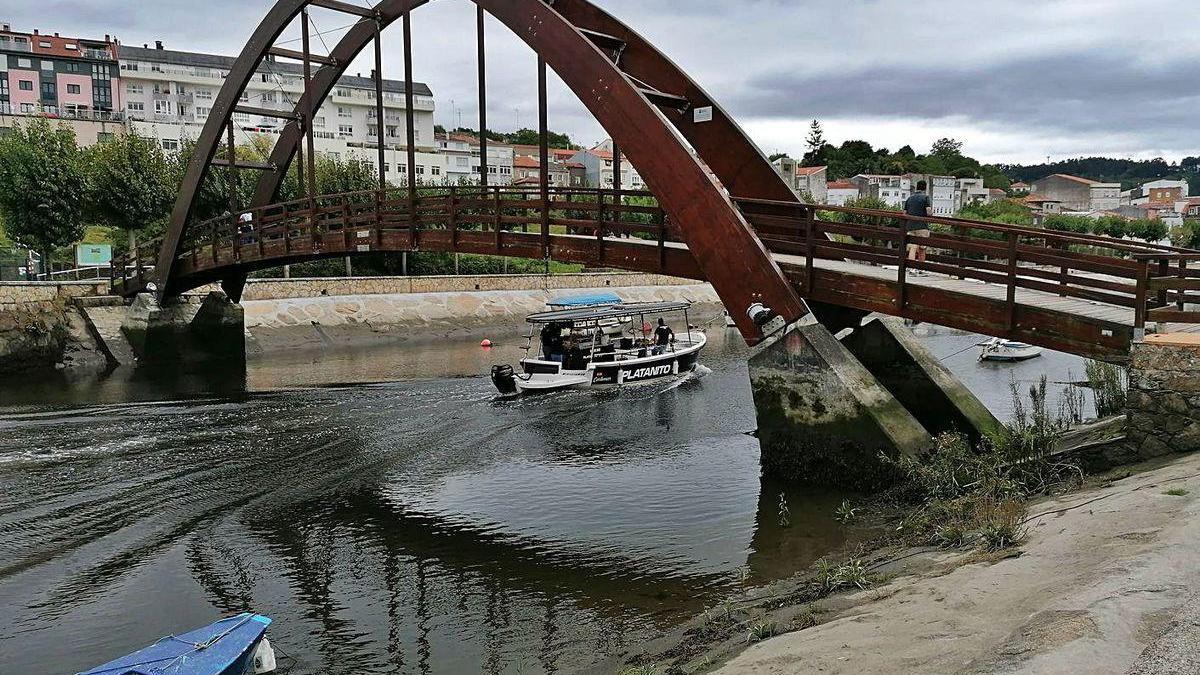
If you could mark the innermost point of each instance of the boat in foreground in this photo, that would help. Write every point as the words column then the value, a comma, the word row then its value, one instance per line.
column 233, row 646
column 580, row 349
column 997, row 349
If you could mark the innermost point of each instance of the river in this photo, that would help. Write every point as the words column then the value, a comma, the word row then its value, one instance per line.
column 391, row 515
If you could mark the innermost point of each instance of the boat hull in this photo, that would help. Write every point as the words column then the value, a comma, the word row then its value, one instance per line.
column 225, row 647
column 603, row 374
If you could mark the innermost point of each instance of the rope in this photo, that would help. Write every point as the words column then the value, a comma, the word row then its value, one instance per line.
column 196, row 646
column 950, row 356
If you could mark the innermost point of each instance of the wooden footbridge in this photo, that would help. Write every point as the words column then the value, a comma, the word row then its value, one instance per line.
column 715, row 209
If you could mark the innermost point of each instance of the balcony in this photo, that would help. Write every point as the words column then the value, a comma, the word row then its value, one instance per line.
column 17, row 46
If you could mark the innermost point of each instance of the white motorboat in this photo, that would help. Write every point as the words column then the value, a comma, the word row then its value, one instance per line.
column 578, row 350
column 998, row 349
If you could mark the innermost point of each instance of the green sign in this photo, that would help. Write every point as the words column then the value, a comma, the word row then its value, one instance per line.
column 93, row 255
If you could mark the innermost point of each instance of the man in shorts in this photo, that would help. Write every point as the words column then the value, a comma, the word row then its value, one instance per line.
column 918, row 205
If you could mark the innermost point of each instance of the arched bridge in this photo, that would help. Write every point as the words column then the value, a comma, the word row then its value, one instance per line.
column 715, row 209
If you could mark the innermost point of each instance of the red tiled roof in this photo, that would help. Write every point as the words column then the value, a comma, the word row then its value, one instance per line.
column 602, row 154
column 1038, row 199
column 575, row 165
column 808, row 170
column 1019, row 185
column 523, row 162
column 841, row 185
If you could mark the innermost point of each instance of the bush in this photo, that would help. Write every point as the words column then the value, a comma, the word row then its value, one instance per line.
column 1110, row 387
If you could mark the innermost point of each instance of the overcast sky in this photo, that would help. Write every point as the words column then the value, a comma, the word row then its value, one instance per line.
column 1016, row 80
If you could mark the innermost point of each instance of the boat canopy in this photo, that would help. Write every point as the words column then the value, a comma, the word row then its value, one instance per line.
column 595, row 313
column 586, row 300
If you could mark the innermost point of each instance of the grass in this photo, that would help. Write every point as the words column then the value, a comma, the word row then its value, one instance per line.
column 1177, row 492
column 761, row 630
column 844, row 513
column 1110, row 385
column 850, row 574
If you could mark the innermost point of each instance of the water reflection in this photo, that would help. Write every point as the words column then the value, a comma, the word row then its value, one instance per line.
column 414, row 527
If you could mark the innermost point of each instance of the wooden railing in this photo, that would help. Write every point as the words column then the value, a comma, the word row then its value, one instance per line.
column 1154, row 281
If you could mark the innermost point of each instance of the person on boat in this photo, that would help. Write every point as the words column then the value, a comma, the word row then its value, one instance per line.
column 552, row 342
column 663, row 337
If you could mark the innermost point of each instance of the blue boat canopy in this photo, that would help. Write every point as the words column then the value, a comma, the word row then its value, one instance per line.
column 213, row 649
column 586, row 300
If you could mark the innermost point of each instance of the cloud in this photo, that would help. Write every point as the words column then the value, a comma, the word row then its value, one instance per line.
column 1012, row 78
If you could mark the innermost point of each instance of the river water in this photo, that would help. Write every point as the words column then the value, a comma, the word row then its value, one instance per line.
column 391, row 515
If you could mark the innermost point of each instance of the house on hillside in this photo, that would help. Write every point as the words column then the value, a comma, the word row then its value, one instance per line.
column 1078, row 194
column 893, row 190
column 839, row 192
column 802, row 179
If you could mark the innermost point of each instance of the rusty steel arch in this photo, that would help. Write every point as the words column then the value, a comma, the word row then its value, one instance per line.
column 644, row 102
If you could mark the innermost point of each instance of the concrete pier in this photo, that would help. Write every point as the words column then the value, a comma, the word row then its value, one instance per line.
column 185, row 333
column 822, row 416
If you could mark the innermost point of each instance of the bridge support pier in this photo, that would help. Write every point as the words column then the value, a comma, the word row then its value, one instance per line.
column 822, row 416
column 184, row 333
column 1163, row 405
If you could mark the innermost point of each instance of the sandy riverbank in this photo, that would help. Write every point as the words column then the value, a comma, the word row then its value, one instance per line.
column 1104, row 582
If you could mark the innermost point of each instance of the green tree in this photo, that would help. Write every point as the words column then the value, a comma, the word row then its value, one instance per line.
column 777, row 155
column 816, row 137
column 130, row 185
column 1004, row 211
column 41, row 186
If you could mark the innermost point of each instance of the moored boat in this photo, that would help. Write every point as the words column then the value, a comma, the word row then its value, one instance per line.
column 233, row 646
column 579, row 349
column 998, row 349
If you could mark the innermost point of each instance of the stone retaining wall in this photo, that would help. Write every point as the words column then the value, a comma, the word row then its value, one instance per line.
column 1164, row 395
column 35, row 325
column 280, row 289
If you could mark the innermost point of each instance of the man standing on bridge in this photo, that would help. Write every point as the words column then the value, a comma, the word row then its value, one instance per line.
column 918, row 205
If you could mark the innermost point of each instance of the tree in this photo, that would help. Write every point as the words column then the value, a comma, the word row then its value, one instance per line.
column 816, row 137
column 946, row 148
column 41, row 186
column 777, row 155
column 130, row 185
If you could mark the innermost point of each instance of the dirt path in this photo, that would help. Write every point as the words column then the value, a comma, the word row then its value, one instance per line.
column 1105, row 573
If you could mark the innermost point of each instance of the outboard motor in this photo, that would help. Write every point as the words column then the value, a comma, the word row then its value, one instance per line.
column 505, row 379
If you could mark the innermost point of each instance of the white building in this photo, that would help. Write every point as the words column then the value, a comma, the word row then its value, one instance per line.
column 942, row 190
column 598, row 168
column 168, row 95
column 893, row 190
column 1156, row 191
column 803, row 180
column 839, row 192
column 971, row 191
column 462, row 154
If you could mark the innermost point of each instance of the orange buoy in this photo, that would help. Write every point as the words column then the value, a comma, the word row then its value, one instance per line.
column 486, row 343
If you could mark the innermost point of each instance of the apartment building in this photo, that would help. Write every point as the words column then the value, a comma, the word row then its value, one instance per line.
column 972, row 191
column 943, row 192
column 169, row 94
column 598, row 168
column 1078, row 194
column 462, row 153
column 1156, row 191
column 839, row 192
column 72, row 80
column 803, row 180
column 893, row 190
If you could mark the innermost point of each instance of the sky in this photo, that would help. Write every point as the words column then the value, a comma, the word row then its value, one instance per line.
column 1017, row 81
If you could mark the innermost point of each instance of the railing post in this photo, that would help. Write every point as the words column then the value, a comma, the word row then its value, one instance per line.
column 1139, row 301
column 661, row 218
column 1065, row 274
column 1012, row 281
column 600, row 225
column 902, row 270
column 810, row 252
column 256, row 224
column 1179, row 293
column 1164, row 269
column 496, row 221
column 346, row 245
column 452, row 218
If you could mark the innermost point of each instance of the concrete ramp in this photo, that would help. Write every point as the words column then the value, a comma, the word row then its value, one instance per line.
column 926, row 388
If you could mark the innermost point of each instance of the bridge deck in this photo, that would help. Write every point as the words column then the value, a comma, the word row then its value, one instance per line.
column 1083, row 294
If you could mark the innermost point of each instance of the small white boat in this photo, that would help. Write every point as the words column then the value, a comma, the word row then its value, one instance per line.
column 997, row 349
column 578, row 350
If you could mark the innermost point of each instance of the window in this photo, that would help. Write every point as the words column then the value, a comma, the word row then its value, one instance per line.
column 202, row 111
column 319, row 121
column 435, row 170
column 420, row 169
column 24, row 63
column 170, row 144
column 25, row 85
column 100, row 72
column 47, row 65
column 461, row 161
column 49, row 90
column 342, row 91
column 135, row 89
column 268, row 97
column 162, row 107
column 204, row 94
column 343, row 112
column 403, row 168
column 492, row 169
column 26, row 107
column 102, row 136
column 244, row 97
column 44, row 44
column 73, row 67
column 73, row 89
column 71, row 46
column 345, row 130
column 387, row 167
column 129, row 66
column 135, row 106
